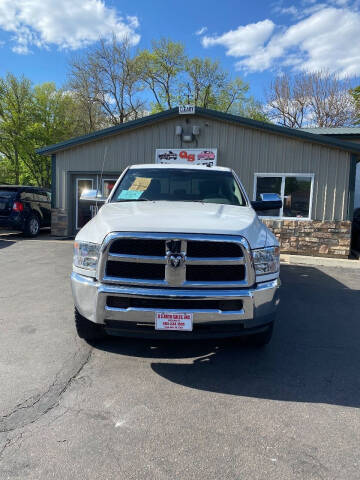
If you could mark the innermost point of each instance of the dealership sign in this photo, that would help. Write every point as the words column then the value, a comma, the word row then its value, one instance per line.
column 191, row 156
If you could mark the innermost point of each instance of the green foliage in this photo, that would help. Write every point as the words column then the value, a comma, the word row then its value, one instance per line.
column 31, row 117
column 159, row 70
column 175, row 79
column 15, row 106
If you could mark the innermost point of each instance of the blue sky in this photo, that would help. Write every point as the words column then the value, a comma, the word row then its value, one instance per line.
column 253, row 39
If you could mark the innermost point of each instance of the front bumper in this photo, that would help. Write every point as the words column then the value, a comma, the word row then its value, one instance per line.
column 258, row 308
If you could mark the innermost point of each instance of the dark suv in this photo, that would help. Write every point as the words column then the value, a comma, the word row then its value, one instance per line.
column 24, row 208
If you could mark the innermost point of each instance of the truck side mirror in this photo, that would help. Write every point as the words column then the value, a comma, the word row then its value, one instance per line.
column 92, row 196
column 269, row 201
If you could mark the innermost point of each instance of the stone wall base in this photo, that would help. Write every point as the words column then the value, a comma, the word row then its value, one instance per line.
column 59, row 222
column 315, row 238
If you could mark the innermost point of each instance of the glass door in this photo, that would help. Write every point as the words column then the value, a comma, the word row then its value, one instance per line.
column 83, row 208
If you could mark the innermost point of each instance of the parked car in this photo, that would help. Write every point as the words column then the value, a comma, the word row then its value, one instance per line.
column 24, row 208
column 206, row 155
column 168, row 155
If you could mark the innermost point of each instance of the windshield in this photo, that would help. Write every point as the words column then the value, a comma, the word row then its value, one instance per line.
column 179, row 185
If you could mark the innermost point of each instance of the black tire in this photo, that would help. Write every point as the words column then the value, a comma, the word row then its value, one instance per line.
column 32, row 226
column 261, row 339
column 86, row 329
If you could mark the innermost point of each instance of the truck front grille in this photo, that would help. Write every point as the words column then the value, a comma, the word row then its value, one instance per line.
column 150, row 271
column 138, row 246
column 215, row 273
column 213, row 249
column 176, row 260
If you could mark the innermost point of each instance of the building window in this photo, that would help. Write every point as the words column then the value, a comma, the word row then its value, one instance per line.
column 295, row 190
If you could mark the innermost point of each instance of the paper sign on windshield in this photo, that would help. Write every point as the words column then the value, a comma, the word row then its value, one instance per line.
column 140, row 183
column 130, row 194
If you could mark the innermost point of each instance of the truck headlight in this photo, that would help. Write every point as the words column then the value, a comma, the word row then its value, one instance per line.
column 266, row 260
column 86, row 255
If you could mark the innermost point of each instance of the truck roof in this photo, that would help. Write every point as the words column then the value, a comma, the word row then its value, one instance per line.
column 180, row 166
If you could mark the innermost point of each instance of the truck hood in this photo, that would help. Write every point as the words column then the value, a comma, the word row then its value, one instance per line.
column 177, row 217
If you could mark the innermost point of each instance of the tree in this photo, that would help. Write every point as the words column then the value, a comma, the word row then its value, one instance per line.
column 319, row 99
column 15, row 102
column 287, row 100
column 205, row 81
column 124, row 85
column 107, row 77
column 89, row 113
column 31, row 117
column 356, row 96
column 53, row 119
column 159, row 70
column 207, row 85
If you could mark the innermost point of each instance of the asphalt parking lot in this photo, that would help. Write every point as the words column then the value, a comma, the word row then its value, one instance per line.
column 132, row 409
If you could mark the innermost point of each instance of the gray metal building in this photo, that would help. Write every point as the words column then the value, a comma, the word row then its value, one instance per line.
column 349, row 134
column 314, row 174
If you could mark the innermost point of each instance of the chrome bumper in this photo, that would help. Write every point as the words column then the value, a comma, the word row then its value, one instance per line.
column 259, row 303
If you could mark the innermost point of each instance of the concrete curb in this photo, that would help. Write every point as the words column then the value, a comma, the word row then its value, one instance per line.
column 319, row 261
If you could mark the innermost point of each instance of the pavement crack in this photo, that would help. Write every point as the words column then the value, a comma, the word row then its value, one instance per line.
column 34, row 407
column 9, row 443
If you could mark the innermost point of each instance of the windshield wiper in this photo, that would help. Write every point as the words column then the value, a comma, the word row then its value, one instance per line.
column 134, row 200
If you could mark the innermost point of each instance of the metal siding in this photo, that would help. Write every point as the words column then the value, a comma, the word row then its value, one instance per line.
column 246, row 150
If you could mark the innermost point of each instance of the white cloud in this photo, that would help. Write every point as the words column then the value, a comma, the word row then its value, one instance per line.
column 245, row 40
column 64, row 23
column 326, row 39
column 201, row 31
column 292, row 10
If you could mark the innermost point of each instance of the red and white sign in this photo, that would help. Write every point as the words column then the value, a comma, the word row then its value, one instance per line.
column 173, row 321
column 192, row 156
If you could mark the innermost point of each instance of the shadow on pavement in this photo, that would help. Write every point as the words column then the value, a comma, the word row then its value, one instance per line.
column 44, row 234
column 6, row 243
column 314, row 355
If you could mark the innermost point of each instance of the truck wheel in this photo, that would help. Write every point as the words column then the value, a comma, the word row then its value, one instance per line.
column 32, row 226
column 263, row 338
column 86, row 329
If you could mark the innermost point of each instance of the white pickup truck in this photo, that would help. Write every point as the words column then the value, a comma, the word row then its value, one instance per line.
column 177, row 251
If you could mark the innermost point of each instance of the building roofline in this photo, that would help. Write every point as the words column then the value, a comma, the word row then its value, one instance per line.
column 227, row 117
column 335, row 131
column 139, row 122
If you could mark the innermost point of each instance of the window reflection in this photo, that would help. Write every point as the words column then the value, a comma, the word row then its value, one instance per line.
column 296, row 201
column 268, row 185
column 295, row 193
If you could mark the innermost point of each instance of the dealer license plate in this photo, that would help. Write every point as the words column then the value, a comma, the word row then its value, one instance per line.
column 173, row 321
column 2, row 205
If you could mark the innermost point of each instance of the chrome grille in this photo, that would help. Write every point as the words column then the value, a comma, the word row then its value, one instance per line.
column 176, row 260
